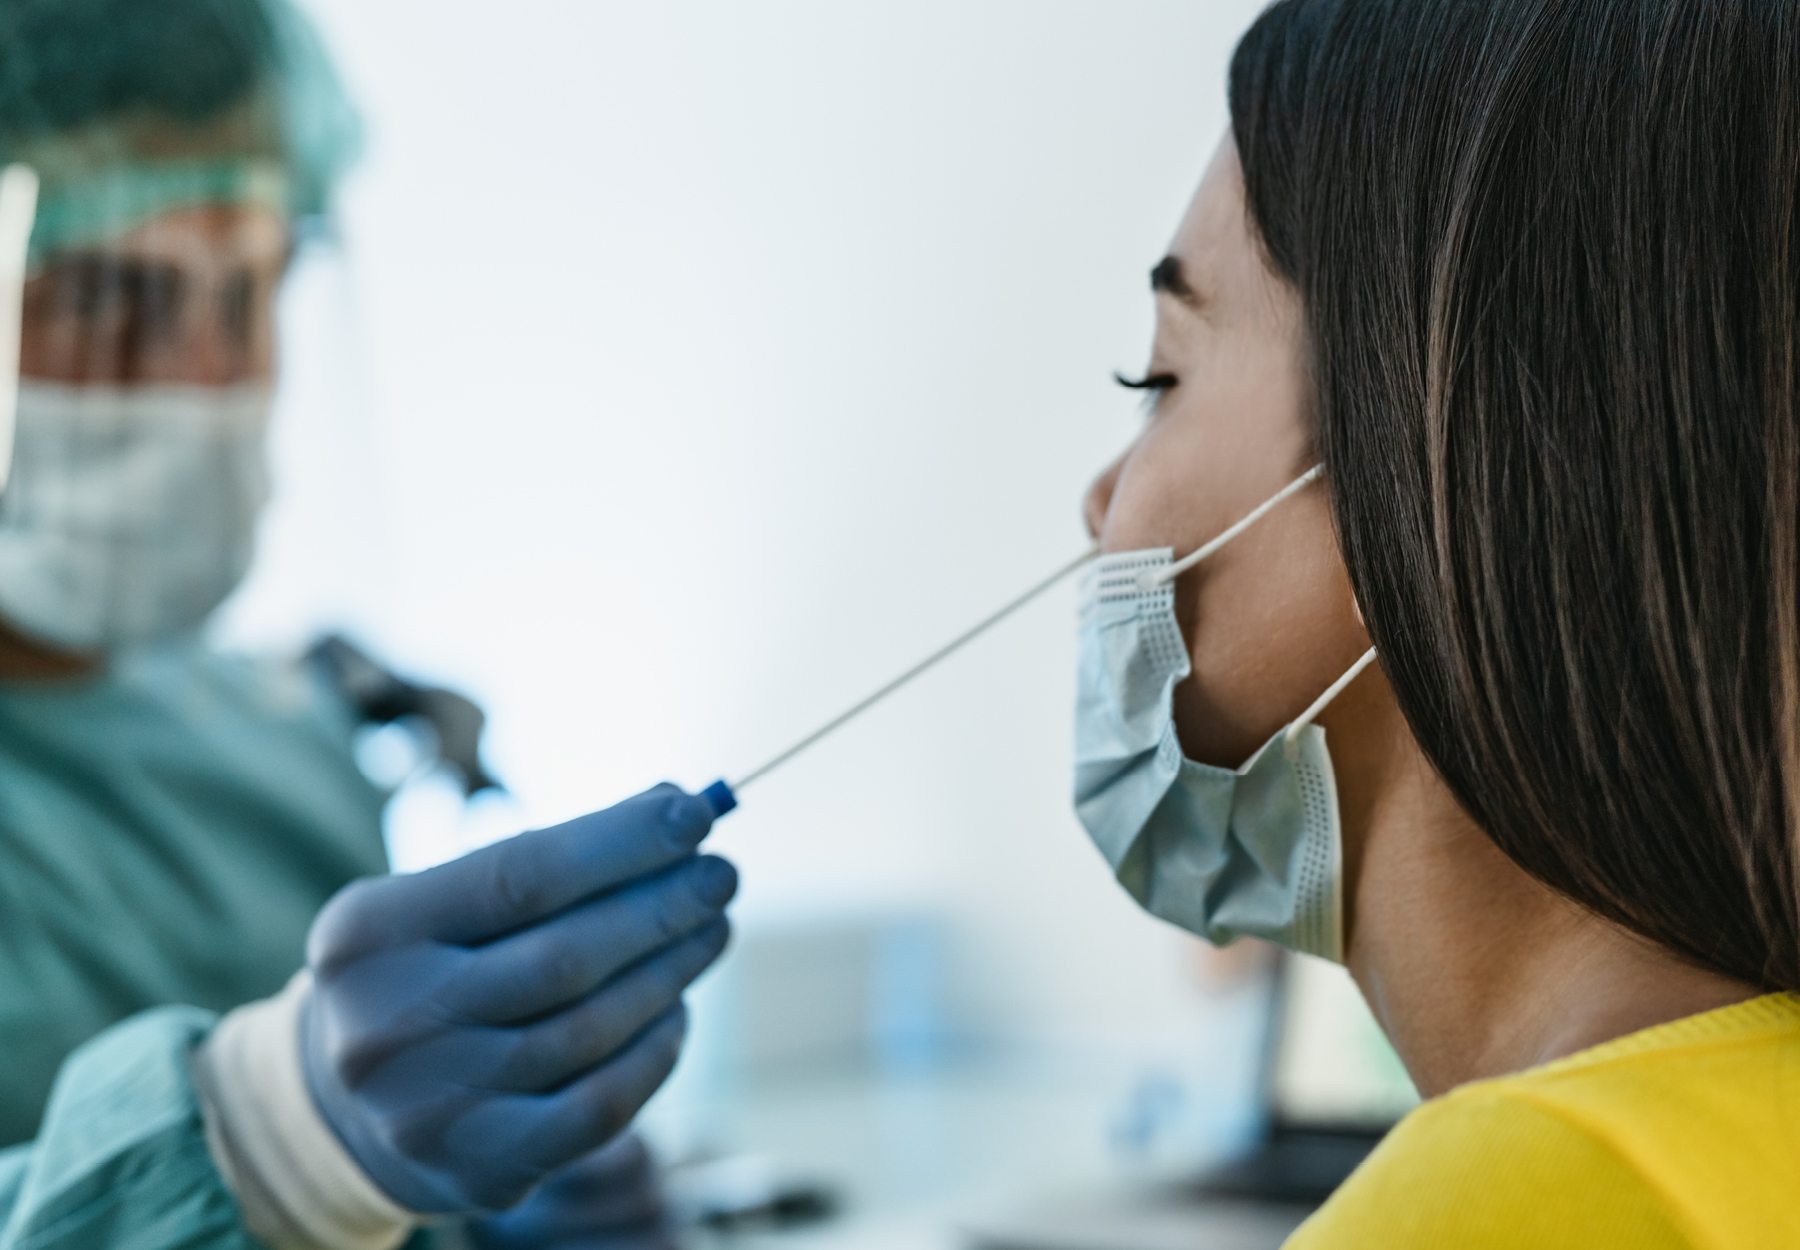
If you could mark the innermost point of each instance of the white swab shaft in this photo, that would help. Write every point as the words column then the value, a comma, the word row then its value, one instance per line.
column 942, row 653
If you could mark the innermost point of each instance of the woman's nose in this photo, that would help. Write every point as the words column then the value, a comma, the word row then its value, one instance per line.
column 1099, row 498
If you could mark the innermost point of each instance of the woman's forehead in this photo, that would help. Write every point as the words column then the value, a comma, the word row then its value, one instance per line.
column 1216, row 266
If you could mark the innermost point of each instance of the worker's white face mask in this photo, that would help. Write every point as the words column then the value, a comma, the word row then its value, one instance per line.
column 1222, row 853
column 131, row 511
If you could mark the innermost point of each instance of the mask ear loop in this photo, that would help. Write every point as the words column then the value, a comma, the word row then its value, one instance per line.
column 18, row 212
column 1290, row 741
column 1152, row 578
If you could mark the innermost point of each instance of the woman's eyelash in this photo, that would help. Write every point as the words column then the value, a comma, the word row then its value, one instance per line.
column 1153, row 385
column 1156, row 382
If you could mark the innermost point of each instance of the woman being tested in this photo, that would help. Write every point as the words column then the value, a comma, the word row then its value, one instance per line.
column 461, row 1042
column 1522, row 278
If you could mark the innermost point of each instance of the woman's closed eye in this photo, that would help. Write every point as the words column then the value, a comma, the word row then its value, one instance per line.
column 1153, row 385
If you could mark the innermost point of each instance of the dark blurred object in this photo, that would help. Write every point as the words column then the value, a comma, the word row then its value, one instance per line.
column 1329, row 1090
column 743, row 1194
column 1296, row 1165
column 1305, row 1151
column 791, row 1208
column 1161, row 1218
column 383, row 698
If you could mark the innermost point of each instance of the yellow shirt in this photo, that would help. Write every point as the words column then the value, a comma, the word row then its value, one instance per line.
column 1683, row 1135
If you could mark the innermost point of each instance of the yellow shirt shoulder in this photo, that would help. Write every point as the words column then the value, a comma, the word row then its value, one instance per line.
column 1683, row 1135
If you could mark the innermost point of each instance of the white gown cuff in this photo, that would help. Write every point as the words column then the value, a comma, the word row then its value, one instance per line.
column 297, row 1186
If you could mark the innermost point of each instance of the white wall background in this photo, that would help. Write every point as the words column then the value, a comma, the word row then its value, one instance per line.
column 690, row 368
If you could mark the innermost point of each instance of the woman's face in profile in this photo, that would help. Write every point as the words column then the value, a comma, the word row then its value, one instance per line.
column 1270, row 620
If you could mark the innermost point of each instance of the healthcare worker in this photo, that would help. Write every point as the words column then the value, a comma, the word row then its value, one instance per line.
column 463, row 1041
column 1500, row 703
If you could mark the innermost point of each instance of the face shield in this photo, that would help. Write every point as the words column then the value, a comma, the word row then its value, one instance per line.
column 174, row 152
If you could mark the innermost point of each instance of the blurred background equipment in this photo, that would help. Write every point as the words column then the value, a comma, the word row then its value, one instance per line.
column 446, row 724
column 1331, row 1089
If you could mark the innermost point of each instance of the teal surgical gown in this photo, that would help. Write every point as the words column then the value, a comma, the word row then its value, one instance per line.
column 121, row 1160
column 167, row 831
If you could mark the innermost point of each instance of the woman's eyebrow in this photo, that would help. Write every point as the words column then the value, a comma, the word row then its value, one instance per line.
column 1168, row 279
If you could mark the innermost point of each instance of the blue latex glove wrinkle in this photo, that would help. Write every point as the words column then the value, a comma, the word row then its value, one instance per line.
column 475, row 1027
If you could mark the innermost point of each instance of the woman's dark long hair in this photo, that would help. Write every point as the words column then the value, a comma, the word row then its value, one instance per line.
column 1547, row 252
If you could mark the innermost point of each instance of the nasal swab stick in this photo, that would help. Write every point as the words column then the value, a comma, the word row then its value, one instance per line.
column 723, row 795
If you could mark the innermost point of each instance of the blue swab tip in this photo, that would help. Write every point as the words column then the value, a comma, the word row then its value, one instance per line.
column 720, row 796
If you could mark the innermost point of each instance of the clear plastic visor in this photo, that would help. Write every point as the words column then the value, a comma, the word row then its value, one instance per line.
column 186, row 298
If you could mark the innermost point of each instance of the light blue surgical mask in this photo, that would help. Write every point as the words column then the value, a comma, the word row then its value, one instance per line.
column 1223, row 853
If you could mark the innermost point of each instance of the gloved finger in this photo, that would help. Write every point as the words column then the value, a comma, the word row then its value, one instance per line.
column 595, row 1107
column 511, row 884
column 500, row 1147
column 652, row 1237
column 608, row 1197
column 619, row 1180
column 550, row 1052
column 525, row 1228
column 565, row 958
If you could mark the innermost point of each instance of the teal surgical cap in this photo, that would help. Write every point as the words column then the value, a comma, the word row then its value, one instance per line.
column 128, row 109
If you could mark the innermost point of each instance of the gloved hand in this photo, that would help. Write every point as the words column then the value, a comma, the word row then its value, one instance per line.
column 608, row 1200
column 475, row 1027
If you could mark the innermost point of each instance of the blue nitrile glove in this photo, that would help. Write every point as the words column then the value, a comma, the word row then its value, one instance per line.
column 608, row 1200
column 473, row 1028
